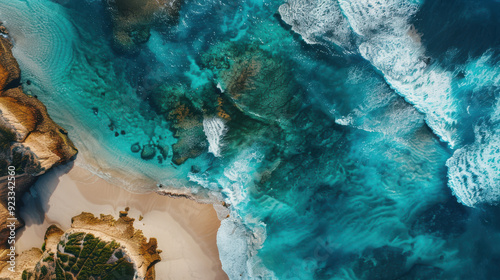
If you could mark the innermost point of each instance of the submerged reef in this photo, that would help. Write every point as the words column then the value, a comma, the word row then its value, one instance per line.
column 186, row 120
column 132, row 20
column 260, row 84
column 30, row 142
column 94, row 248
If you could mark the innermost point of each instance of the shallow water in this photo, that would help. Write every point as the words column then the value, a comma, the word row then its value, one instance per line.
column 368, row 149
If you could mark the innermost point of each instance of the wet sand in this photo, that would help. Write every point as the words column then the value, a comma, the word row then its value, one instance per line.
column 186, row 230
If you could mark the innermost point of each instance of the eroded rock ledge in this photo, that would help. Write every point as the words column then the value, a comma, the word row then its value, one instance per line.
column 29, row 140
column 94, row 248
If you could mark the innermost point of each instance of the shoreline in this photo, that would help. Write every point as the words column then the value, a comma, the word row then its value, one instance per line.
column 186, row 230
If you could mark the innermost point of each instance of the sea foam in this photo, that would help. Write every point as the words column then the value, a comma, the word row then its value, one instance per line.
column 474, row 170
column 318, row 21
column 393, row 48
column 214, row 129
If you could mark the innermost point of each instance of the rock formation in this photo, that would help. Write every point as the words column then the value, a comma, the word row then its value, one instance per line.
column 94, row 248
column 30, row 142
column 258, row 83
column 253, row 93
column 132, row 20
column 186, row 121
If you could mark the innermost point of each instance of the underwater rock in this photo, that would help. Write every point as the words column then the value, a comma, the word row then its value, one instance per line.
column 135, row 148
column 192, row 141
column 195, row 169
column 30, row 141
column 186, row 121
column 132, row 20
column 3, row 29
column 163, row 148
column 10, row 73
column 94, row 248
column 445, row 220
column 260, row 84
column 148, row 152
column 381, row 263
column 423, row 272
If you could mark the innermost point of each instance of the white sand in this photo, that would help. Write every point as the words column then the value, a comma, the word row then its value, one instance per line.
column 186, row 230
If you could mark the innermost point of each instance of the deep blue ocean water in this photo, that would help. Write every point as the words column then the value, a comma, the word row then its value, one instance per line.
column 368, row 149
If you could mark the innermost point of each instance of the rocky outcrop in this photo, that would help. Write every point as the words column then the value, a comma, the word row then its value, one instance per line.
column 30, row 142
column 254, row 92
column 132, row 20
column 94, row 248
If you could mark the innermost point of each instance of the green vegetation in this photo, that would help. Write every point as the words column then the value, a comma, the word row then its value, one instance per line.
column 86, row 256
column 50, row 258
column 44, row 270
column 82, row 256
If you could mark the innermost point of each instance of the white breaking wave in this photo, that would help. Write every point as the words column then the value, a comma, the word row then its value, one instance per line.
column 240, row 235
column 215, row 129
column 390, row 44
column 393, row 47
column 370, row 17
column 237, row 248
column 474, row 170
column 317, row 21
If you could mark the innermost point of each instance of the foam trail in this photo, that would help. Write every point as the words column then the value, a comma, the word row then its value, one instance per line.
column 241, row 235
column 380, row 109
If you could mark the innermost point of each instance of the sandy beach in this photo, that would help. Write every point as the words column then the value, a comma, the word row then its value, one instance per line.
column 186, row 230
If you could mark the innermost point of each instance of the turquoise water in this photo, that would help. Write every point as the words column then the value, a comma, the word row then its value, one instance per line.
column 349, row 139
